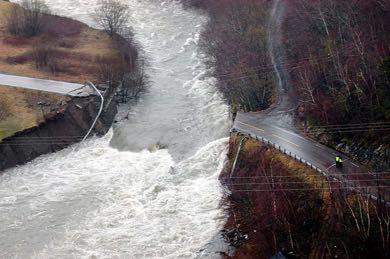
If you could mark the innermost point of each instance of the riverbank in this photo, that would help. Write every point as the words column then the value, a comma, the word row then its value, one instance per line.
column 19, row 109
column 236, row 42
column 279, row 205
column 111, row 197
column 71, row 47
column 347, row 109
column 33, row 123
column 65, row 126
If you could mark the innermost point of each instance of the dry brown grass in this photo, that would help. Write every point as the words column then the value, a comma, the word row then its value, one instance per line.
column 76, row 46
column 4, row 10
column 297, row 169
column 78, row 64
column 23, row 112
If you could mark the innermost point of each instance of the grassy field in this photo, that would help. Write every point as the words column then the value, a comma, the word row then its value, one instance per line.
column 76, row 46
column 19, row 109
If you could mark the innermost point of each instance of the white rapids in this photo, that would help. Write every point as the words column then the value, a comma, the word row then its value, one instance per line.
column 113, row 198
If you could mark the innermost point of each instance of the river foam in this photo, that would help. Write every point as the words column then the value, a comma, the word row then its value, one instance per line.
column 112, row 197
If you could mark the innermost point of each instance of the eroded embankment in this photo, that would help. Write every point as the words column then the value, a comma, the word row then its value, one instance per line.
column 57, row 132
column 279, row 205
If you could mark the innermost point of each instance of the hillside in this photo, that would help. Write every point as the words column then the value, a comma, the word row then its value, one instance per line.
column 340, row 54
column 333, row 57
column 280, row 205
column 64, row 50
column 73, row 48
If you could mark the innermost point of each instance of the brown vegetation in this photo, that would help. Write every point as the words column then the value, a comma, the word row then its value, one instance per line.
column 113, row 16
column 4, row 110
column 27, row 21
column 278, row 204
column 65, row 49
column 235, row 39
column 335, row 57
column 340, row 51
column 19, row 109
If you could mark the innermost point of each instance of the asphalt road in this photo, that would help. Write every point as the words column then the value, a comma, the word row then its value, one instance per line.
column 307, row 149
column 51, row 86
column 276, row 126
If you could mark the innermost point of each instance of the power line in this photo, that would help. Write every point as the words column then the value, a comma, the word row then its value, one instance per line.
column 34, row 144
column 268, row 69
column 285, row 61
column 354, row 127
column 307, row 189
column 44, row 138
column 357, row 130
column 351, row 124
column 308, row 175
column 306, row 182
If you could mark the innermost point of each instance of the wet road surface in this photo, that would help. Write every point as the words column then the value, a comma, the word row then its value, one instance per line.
column 277, row 127
column 51, row 86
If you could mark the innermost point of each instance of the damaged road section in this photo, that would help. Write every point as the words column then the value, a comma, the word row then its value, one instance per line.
column 63, row 125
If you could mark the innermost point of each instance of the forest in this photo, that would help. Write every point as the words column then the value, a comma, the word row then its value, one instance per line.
column 235, row 39
column 279, row 205
column 335, row 55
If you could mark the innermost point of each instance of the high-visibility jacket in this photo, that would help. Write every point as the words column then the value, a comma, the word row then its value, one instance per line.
column 338, row 159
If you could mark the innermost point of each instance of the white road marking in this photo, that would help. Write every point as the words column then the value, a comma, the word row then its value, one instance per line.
column 290, row 132
column 288, row 141
column 248, row 125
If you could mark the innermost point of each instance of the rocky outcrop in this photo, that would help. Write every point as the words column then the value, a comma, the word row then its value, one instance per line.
column 58, row 132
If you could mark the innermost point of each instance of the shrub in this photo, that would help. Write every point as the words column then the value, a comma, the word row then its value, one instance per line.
column 42, row 55
column 18, row 60
column 66, row 43
column 112, row 16
column 28, row 20
column 46, row 56
column 16, row 41
column 4, row 110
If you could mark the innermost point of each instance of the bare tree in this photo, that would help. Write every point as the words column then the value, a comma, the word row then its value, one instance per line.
column 28, row 20
column 16, row 21
column 44, row 55
column 113, row 16
column 34, row 13
column 111, row 70
column 133, row 84
column 127, row 82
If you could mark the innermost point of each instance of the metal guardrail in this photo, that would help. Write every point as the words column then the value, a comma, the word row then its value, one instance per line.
column 348, row 184
column 282, row 150
column 100, row 110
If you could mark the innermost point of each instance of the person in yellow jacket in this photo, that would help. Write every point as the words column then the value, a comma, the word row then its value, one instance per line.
column 339, row 161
